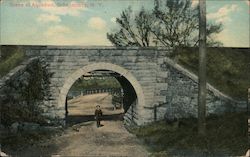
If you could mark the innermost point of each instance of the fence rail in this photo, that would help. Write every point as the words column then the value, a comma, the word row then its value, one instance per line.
column 73, row 94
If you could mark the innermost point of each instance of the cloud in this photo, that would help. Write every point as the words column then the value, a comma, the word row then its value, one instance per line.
column 94, row 39
column 97, row 23
column 230, row 39
column 49, row 6
column 57, row 37
column 46, row 18
column 222, row 15
column 57, row 30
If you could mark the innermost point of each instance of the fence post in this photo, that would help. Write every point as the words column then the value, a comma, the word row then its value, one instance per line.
column 155, row 113
column 248, row 112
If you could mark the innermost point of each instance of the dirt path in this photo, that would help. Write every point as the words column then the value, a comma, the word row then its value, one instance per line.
column 112, row 139
column 85, row 105
column 86, row 140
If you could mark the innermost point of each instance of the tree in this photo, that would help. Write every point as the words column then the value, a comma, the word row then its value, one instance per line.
column 134, row 31
column 172, row 23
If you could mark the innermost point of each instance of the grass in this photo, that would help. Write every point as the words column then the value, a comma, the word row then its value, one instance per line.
column 227, row 68
column 226, row 135
column 11, row 57
column 14, row 142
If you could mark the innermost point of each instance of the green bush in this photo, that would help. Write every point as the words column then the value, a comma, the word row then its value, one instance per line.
column 25, row 95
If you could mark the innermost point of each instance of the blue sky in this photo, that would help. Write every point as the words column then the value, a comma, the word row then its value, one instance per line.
column 86, row 22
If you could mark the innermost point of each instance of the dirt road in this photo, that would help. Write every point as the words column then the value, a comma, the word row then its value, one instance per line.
column 86, row 140
column 85, row 105
column 112, row 139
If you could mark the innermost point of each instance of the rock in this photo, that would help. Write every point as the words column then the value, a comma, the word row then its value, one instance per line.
column 29, row 126
column 2, row 154
column 248, row 153
column 50, row 128
column 14, row 127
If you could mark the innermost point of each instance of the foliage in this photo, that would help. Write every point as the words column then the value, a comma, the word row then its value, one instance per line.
column 171, row 24
column 11, row 57
column 226, row 134
column 25, row 95
column 93, row 83
column 134, row 31
column 37, row 87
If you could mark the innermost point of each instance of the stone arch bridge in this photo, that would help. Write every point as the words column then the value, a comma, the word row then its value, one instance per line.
column 155, row 86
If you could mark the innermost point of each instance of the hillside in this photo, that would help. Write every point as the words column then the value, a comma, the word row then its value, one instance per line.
column 11, row 56
column 226, row 136
column 228, row 69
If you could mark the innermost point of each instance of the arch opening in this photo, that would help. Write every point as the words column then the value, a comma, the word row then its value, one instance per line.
column 130, row 91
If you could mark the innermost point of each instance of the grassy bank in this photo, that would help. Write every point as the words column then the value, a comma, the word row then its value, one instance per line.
column 14, row 143
column 226, row 136
column 11, row 56
column 227, row 68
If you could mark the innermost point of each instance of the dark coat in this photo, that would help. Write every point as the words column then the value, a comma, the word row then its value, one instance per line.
column 98, row 114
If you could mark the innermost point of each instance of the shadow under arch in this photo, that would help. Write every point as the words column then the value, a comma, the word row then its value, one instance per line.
column 69, row 81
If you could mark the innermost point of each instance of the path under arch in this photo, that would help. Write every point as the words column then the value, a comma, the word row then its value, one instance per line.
column 86, row 140
column 111, row 140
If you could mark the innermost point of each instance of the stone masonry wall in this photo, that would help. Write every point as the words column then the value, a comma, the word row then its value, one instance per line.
column 14, row 76
column 158, row 81
column 182, row 93
column 64, row 62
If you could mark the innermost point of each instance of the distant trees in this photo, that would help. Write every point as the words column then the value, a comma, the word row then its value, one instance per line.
column 171, row 23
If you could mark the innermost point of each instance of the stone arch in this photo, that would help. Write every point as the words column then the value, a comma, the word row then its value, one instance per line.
column 69, row 81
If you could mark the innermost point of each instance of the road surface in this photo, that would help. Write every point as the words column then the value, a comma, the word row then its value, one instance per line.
column 85, row 139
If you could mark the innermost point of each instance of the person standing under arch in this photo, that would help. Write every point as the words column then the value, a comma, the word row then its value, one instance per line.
column 98, row 115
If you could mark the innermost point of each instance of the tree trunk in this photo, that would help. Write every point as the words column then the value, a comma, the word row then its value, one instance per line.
column 202, row 69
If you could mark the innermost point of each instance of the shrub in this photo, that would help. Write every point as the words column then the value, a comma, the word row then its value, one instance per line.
column 24, row 95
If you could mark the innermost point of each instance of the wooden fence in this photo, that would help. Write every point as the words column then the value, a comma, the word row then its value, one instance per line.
column 112, row 91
